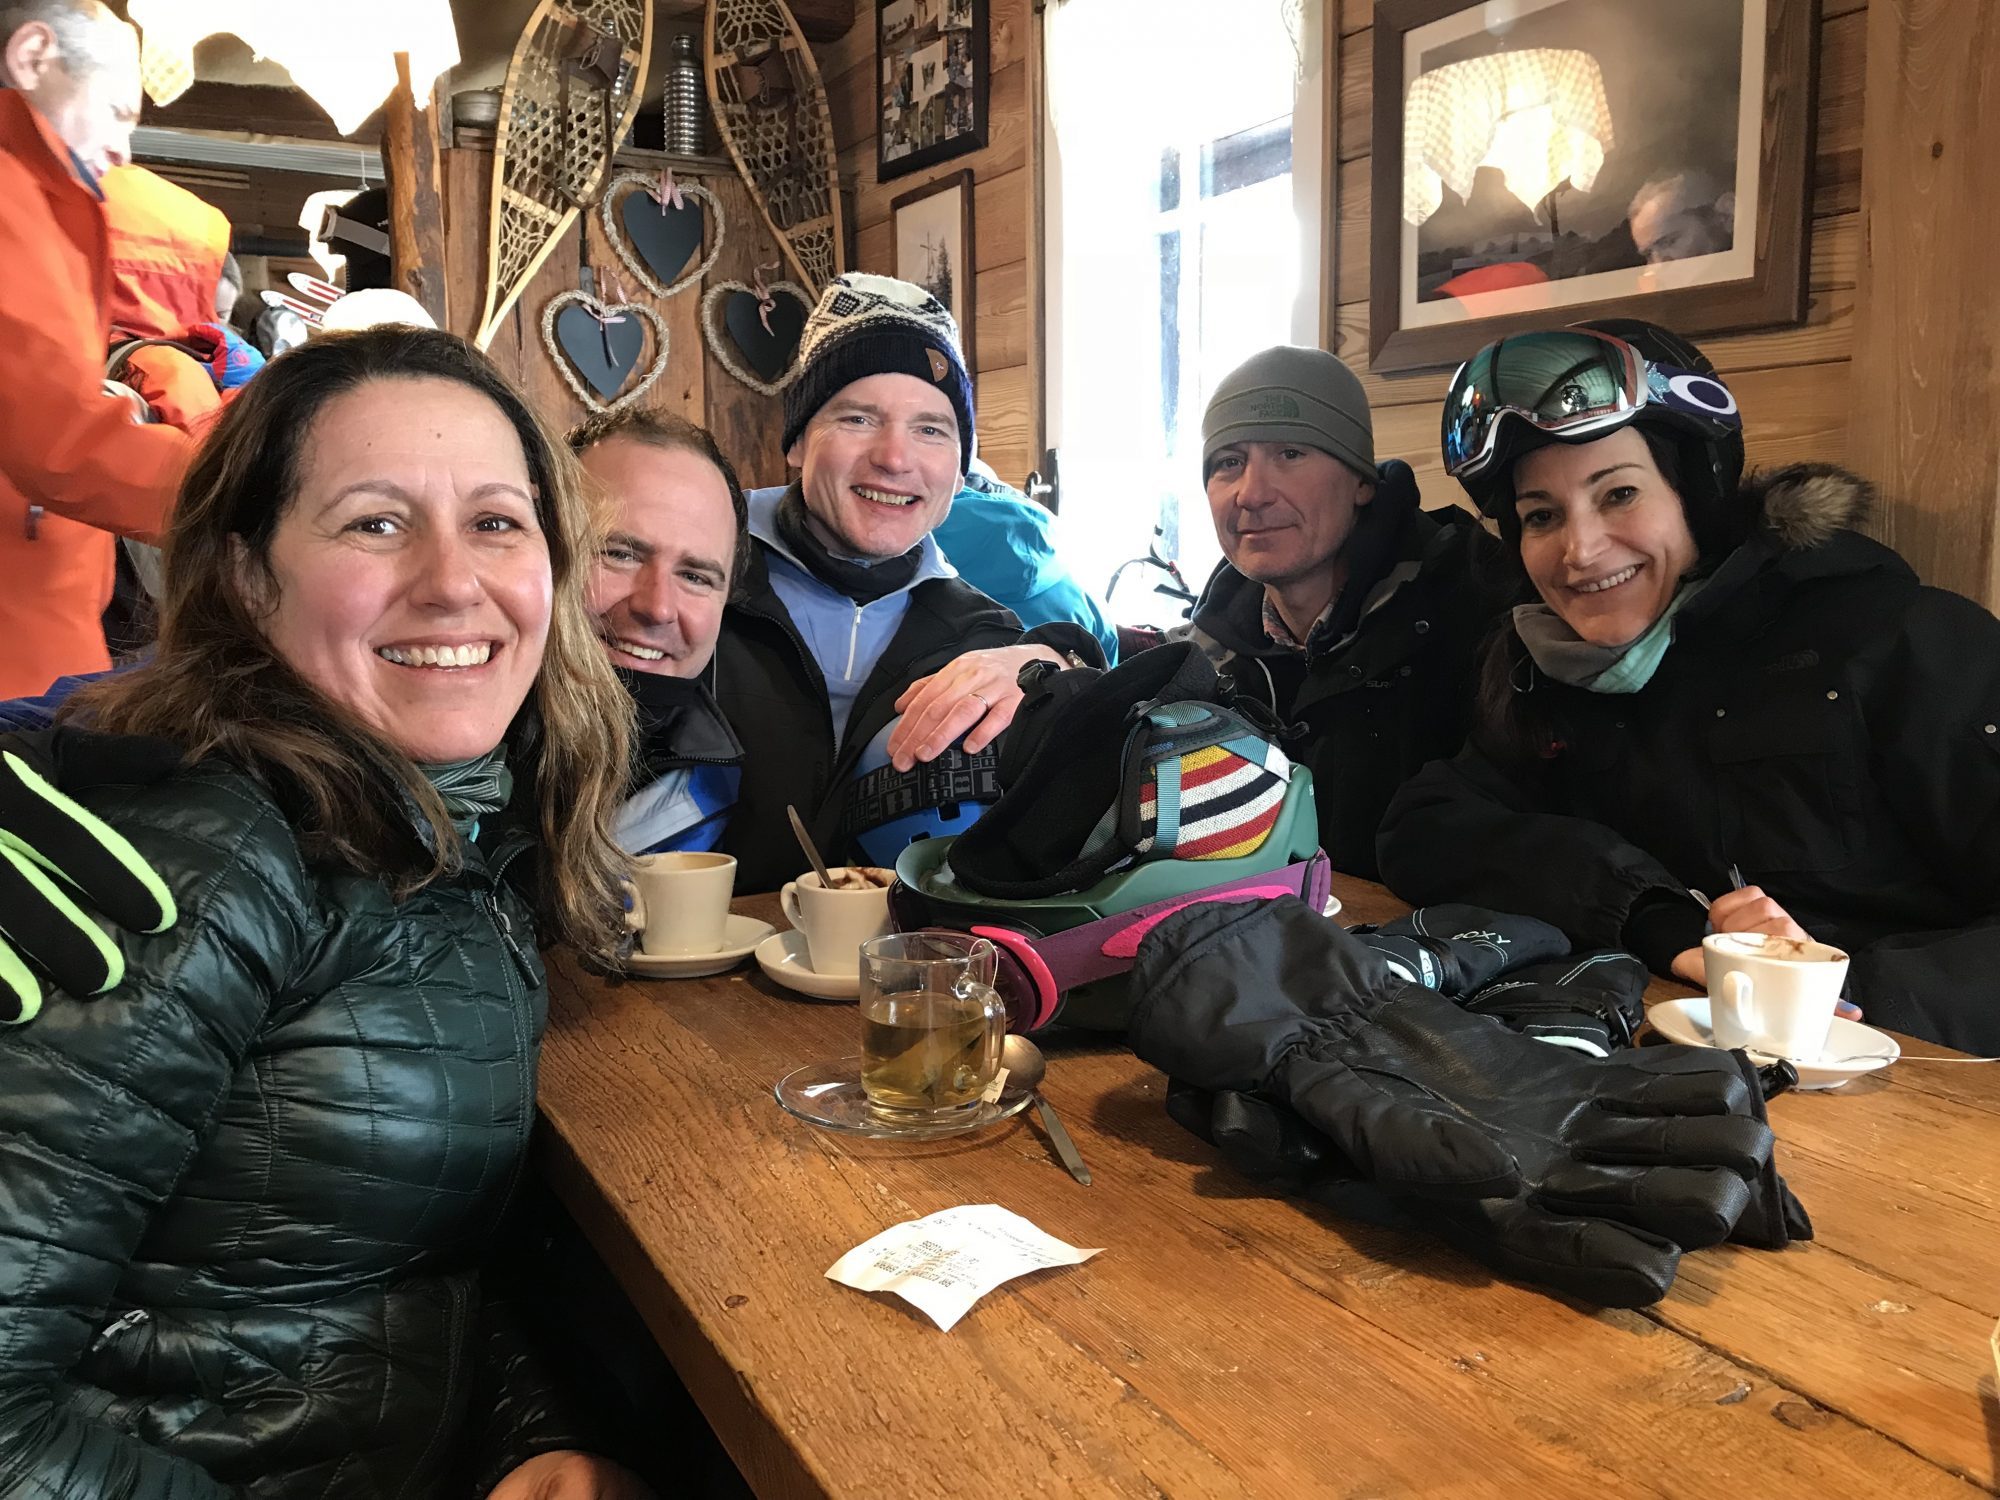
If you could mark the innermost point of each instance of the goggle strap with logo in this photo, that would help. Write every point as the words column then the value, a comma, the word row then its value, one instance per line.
column 1043, row 969
column 885, row 793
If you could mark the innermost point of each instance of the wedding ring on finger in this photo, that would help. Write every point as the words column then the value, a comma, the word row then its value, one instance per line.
column 984, row 706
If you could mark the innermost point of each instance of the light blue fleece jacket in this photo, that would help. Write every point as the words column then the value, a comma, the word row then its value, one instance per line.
column 846, row 639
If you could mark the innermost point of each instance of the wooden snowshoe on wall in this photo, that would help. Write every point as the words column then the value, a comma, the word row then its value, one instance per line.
column 771, row 112
column 572, row 90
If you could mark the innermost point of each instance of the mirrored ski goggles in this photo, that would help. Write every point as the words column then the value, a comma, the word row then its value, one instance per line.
column 1568, row 381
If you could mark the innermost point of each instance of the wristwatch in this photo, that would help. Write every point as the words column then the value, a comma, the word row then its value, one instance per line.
column 1041, row 669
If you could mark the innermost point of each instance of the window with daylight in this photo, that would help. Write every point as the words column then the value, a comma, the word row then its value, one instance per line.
column 1183, row 196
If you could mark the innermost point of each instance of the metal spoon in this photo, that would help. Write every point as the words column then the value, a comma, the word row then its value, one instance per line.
column 812, row 850
column 1025, row 1067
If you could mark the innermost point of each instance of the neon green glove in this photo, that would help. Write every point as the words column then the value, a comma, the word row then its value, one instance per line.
column 54, row 852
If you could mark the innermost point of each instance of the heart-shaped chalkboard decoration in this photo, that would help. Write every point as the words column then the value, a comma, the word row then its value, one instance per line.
column 598, row 345
column 666, row 238
column 655, row 242
column 604, row 354
column 767, row 349
column 770, row 355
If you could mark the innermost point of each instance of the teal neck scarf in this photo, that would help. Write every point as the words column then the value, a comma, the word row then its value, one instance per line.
column 472, row 788
column 1562, row 654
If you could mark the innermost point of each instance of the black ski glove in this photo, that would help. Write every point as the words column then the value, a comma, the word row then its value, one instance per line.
column 1455, row 949
column 1427, row 1102
column 55, row 853
column 1593, row 1002
column 1611, row 1264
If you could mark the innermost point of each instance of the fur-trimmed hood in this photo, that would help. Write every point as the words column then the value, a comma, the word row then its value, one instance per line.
column 1804, row 505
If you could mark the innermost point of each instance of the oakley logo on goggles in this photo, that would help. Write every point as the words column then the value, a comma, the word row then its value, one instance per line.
column 1571, row 382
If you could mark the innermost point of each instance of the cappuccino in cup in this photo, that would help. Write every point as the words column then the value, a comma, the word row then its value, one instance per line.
column 1774, row 995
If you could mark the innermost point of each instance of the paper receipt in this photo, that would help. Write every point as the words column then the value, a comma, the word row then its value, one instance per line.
column 945, row 1262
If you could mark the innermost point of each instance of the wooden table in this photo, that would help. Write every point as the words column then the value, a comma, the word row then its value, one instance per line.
column 1228, row 1344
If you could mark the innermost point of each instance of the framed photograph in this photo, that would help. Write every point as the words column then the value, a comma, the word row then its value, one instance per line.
column 933, row 229
column 1539, row 162
column 933, row 66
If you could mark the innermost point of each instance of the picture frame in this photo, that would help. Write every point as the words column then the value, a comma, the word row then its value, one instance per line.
column 932, row 231
column 1698, row 213
column 933, row 68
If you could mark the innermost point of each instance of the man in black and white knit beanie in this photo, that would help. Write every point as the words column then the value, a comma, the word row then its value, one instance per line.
column 869, row 325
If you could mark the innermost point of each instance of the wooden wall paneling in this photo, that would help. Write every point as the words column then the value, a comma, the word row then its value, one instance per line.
column 1003, row 318
column 540, row 381
column 747, row 424
column 1002, row 401
column 1353, row 184
column 1926, row 374
column 875, row 246
column 467, row 173
column 1001, row 209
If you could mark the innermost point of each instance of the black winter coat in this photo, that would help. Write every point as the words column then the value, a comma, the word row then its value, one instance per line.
column 1372, row 708
column 1828, row 724
column 775, row 698
column 249, row 1193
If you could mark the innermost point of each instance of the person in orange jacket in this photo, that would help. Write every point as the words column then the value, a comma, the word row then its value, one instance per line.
column 167, row 250
column 75, row 467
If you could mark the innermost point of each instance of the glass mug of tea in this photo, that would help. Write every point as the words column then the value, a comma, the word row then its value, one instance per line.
column 931, row 1025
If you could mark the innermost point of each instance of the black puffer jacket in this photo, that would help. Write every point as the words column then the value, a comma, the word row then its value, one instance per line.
column 247, row 1194
column 1827, row 724
column 1396, row 692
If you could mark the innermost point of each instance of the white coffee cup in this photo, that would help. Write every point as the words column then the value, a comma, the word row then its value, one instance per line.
column 1775, row 995
column 836, row 923
column 681, row 902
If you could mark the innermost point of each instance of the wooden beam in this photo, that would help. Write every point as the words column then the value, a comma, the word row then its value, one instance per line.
column 819, row 20
column 252, row 107
column 416, row 211
column 1924, row 422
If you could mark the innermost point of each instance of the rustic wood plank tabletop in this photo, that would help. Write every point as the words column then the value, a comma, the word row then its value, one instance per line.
column 1230, row 1344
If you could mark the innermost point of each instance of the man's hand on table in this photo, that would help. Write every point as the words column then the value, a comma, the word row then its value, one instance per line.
column 1746, row 910
column 567, row 1474
column 973, row 695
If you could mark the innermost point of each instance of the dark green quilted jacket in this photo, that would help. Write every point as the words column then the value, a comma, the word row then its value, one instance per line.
column 245, row 1197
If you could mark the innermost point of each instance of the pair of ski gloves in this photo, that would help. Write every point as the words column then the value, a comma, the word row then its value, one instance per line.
column 1320, row 1065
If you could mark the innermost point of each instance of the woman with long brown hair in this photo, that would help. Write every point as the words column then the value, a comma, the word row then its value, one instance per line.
column 250, row 1189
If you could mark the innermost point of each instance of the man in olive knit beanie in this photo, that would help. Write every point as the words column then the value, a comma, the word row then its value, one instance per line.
column 1340, row 602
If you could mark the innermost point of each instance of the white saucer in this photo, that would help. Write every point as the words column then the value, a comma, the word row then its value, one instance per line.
column 782, row 955
column 740, row 937
column 1851, row 1048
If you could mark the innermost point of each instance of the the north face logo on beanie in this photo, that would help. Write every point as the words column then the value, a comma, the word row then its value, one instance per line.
column 1273, row 406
